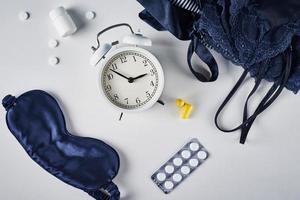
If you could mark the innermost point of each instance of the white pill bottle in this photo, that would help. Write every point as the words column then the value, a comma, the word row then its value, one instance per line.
column 62, row 21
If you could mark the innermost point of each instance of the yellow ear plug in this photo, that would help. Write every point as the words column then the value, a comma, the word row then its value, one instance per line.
column 186, row 108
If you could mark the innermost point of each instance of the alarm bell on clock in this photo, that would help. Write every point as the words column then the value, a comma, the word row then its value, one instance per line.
column 131, row 78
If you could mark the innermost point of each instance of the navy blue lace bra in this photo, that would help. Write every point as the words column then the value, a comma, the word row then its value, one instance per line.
column 262, row 36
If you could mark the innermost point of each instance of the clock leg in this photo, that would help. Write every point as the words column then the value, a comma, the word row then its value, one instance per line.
column 121, row 115
column 161, row 102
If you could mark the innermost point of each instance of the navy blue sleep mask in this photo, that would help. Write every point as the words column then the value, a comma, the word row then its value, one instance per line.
column 37, row 122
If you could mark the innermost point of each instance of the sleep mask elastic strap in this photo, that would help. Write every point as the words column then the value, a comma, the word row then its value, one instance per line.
column 108, row 192
column 8, row 102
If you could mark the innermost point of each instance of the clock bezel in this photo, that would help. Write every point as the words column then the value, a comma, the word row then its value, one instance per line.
column 155, row 62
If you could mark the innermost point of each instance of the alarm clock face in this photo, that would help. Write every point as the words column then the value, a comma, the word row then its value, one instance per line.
column 132, row 79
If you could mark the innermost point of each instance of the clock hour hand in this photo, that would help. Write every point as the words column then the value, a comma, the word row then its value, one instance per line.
column 120, row 74
column 140, row 76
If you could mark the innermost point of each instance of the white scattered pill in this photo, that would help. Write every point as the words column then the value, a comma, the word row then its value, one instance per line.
column 186, row 154
column 177, row 161
column 169, row 185
column 53, row 60
column 194, row 162
column 53, row 43
column 90, row 15
column 185, row 170
column 169, row 169
column 161, row 176
column 194, row 146
column 177, row 177
column 23, row 16
column 202, row 155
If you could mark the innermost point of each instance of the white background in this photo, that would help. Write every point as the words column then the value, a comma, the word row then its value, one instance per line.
column 267, row 167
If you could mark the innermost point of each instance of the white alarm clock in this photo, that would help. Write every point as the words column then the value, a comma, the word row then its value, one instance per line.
column 131, row 78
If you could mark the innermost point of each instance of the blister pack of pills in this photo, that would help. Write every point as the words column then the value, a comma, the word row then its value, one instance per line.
column 180, row 166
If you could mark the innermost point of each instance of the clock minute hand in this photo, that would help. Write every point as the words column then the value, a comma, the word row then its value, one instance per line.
column 119, row 74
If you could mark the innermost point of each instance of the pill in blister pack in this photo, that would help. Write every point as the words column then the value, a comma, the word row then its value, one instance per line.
column 180, row 166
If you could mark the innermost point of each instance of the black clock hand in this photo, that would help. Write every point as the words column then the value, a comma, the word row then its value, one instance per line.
column 140, row 76
column 130, row 79
column 120, row 74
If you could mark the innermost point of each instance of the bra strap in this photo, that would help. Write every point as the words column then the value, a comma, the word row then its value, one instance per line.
column 269, row 98
column 204, row 54
column 227, row 99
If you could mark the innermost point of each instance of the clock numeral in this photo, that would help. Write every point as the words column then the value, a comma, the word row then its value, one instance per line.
column 108, row 88
column 126, row 99
column 123, row 59
column 148, row 94
column 152, row 84
column 137, row 100
column 114, row 66
column 134, row 58
column 116, row 97
column 152, row 72
column 110, row 76
column 145, row 63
